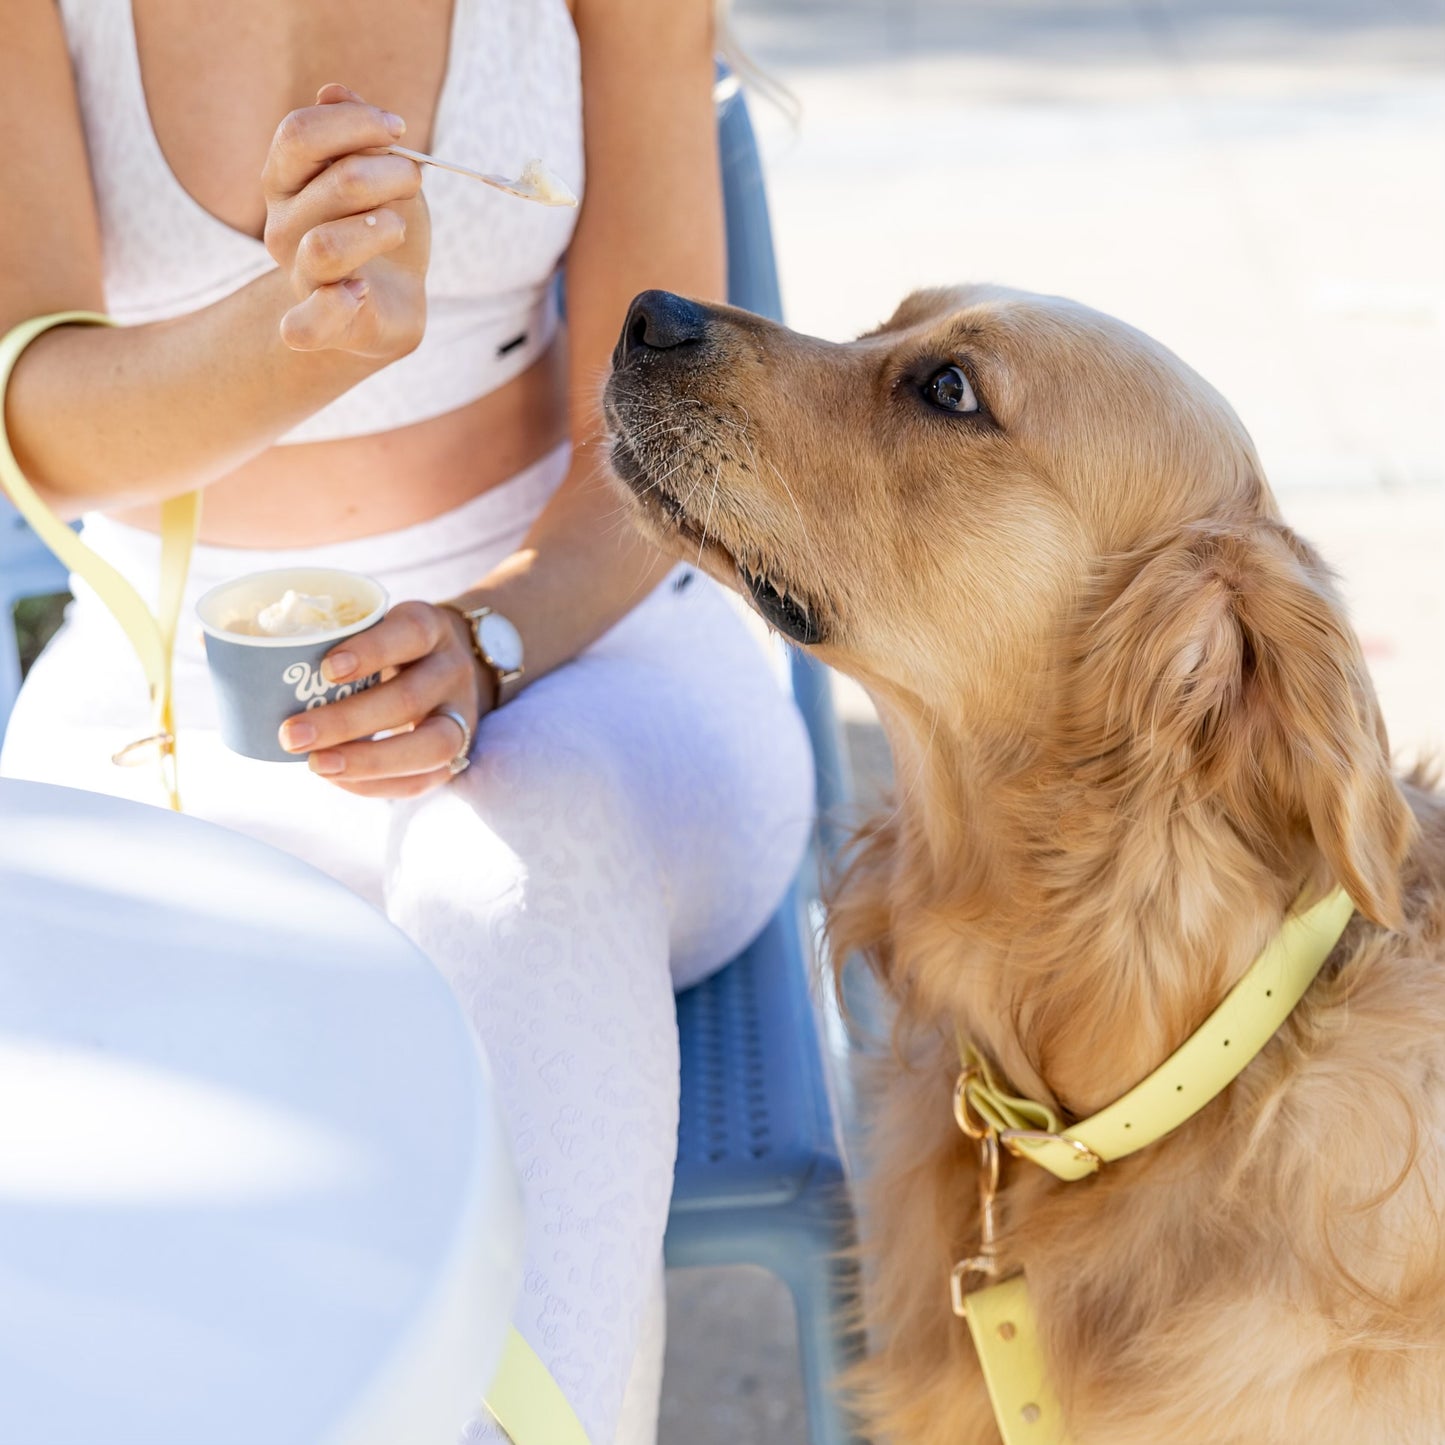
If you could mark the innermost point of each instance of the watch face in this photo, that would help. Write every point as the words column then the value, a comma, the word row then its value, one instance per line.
column 501, row 642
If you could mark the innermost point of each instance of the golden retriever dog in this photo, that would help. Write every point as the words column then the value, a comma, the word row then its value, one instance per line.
column 1132, row 730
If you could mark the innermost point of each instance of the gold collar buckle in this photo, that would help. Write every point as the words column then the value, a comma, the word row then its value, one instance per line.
column 1017, row 1140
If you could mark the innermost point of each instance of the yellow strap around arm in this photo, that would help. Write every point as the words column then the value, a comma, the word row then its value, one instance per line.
column 528, row 1403
column 1202, row 1068
column 152, row 636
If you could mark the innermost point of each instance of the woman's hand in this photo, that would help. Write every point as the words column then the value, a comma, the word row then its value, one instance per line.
column 349, row 226
column 437, row 669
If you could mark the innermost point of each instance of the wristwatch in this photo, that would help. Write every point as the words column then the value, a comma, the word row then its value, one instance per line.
column 497, row 644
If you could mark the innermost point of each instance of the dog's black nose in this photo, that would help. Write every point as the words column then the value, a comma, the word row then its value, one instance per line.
column 659, row 321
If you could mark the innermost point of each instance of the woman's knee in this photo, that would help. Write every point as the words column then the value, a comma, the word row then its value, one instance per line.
column 531, row 784
column 538, row 780
column 531, row 859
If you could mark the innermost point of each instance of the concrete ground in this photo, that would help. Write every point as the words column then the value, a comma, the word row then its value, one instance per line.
column 1258, row 183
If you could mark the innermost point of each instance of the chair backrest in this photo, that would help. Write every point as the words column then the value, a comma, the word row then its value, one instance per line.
column 752, row 265
column 753, row 285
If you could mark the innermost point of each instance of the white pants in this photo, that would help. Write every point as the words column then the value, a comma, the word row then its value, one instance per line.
column 629, row 823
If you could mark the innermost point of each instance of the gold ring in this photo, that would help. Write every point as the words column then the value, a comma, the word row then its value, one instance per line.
column 965, row 1114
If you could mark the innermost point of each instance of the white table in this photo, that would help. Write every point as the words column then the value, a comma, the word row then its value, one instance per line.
column 253, row 1186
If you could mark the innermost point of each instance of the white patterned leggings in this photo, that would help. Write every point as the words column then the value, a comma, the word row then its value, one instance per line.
column 628, row 824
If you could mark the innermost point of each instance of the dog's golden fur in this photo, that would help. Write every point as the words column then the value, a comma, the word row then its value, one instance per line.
column 1131, row 728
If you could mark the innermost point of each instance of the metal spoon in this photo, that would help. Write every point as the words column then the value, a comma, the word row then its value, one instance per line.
column 536, row 183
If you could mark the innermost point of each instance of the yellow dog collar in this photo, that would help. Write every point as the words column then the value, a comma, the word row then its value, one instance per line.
column 1198, row 1071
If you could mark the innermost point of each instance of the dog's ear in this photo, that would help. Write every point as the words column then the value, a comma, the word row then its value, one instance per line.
column 1227, row 658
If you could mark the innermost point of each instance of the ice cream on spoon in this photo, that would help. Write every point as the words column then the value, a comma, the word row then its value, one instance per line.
column 536, row 183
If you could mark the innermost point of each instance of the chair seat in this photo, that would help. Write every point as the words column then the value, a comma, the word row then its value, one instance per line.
column 756, row 1124
column 760, row 1176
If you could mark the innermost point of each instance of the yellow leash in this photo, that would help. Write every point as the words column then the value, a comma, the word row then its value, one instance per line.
column 1000, row 1316
column 524, row 1398
column 152, row 635
column 528, row 1403
column 1006, row 1339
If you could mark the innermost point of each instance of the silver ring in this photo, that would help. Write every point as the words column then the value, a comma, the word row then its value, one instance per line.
column 463, row 759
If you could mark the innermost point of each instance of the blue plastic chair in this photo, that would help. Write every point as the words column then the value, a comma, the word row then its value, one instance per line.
column 761, row 1170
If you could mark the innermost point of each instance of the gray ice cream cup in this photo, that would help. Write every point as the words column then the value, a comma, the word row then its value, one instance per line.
column 261, row 681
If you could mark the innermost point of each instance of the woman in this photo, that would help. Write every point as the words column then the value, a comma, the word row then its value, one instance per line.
column 366, row 372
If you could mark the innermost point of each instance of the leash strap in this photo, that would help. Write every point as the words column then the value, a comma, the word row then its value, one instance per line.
column 1197, row 1072
column 528, row 1403
column 1006, row 1337
column 153, row 636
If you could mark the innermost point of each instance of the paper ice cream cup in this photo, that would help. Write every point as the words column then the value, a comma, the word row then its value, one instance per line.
column 261, row 681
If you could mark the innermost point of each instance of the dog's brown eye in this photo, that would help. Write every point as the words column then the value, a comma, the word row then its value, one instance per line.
column 950, row 390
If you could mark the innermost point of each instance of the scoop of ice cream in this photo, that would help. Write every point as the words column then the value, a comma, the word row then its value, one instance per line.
column 546, row 187
column 297, row 614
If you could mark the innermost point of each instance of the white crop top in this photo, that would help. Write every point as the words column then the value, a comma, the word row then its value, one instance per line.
column 512, row 91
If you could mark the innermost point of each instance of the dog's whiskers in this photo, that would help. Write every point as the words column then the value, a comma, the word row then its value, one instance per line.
column 702, row 542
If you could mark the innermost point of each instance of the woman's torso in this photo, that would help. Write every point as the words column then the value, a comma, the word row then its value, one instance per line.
column 179, row 114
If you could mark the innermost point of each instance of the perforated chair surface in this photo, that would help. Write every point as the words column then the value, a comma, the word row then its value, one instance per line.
column 756, row 1121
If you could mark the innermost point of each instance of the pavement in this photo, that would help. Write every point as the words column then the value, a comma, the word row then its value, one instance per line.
column 1258, row 183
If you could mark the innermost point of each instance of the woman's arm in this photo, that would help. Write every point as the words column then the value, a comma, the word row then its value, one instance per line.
column 106, row 417
column 652, row 217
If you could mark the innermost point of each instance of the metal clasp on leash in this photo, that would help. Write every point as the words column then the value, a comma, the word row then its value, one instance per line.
column 989, row 1137
column 132, row 755
column 163, row 746
column 985, row 1262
